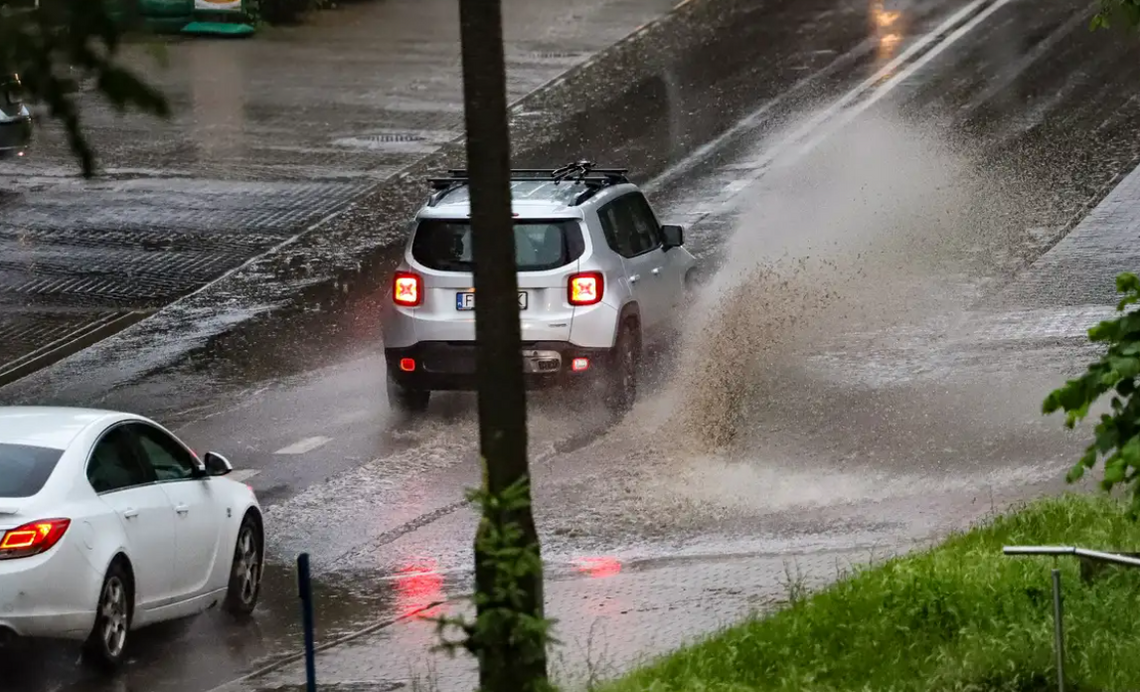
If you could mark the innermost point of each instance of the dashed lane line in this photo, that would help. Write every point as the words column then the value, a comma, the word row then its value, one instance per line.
column 305, row 446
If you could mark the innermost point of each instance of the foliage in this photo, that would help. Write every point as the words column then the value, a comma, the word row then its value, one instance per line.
column 41, row 44
column 1117, row 435
column 503, row 616
column 1127, row 11
column 960, row 616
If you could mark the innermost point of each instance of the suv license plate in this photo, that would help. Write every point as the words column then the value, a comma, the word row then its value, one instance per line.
column 465, row 300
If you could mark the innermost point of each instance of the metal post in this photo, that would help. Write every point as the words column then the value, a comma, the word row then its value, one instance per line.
column 1059, row 630
column 305, row 591
column 506, row 663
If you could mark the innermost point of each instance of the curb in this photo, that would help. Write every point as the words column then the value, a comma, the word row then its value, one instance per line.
column 76, row 341
column 293, row 658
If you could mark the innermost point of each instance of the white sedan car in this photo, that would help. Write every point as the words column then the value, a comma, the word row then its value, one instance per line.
column 109, row 523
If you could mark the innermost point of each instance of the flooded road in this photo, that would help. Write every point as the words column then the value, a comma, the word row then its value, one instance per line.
column 863, row 372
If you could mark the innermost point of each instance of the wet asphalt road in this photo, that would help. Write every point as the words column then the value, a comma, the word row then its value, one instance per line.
column 268, row 137
column 882, row 391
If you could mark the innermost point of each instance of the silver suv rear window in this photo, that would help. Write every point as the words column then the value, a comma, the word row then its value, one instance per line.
column 445, row 244
column 24, row 469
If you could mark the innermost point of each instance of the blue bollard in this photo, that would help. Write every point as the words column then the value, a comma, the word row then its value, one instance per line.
column 305, row 590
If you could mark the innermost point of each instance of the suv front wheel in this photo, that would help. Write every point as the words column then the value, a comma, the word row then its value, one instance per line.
column 621, row 380
column 404, row 400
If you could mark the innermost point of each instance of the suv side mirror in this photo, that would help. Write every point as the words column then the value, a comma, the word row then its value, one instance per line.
column 216, row 464
column 673, row 236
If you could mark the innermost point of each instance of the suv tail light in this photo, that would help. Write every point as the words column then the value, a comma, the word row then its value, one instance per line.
column 32, row 538
column 408, row 289
column 585, row 288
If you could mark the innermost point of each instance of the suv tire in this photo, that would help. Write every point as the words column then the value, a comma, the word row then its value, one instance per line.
column 406, row 400
column 621, row 380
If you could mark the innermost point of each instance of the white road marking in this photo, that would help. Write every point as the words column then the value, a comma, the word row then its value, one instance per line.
column 827, row 122
column 899, row 78
column 243, row 474
column 886, row 79
column 304, row 446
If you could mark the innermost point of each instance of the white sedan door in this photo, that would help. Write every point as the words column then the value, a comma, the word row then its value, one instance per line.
column 198, row 517
column 141, row 509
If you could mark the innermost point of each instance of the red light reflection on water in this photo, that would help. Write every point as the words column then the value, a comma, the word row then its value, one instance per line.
column 418, row 585
column 598, row 567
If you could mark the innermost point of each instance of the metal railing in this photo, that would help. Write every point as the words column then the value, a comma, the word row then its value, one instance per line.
column 1058, row 610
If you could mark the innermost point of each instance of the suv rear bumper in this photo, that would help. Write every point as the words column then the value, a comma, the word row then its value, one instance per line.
column 450, row 366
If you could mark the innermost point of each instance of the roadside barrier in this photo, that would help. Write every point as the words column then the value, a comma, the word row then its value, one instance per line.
column 1094, row 556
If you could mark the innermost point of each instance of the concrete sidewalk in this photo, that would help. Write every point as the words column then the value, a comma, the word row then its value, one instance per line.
column 269, row 135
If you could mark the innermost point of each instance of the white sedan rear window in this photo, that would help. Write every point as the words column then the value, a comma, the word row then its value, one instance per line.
column 24, row 469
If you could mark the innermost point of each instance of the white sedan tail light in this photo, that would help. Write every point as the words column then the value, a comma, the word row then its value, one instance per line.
column 32, row 538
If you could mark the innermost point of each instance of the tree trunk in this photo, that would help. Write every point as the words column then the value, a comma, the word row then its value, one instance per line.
column 506, row 664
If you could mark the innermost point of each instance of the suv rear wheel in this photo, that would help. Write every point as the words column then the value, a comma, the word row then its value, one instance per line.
column 621, row 382
column 406, row 400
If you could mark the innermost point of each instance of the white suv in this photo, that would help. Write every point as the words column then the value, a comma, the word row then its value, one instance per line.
column 598, row 277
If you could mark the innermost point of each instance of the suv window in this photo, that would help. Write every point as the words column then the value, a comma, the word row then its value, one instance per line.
column 168, row 459
column 618, row 230
column 24, row 469
column 645, row 226
column 445, row 244
column 629, row 225
column 113, row 464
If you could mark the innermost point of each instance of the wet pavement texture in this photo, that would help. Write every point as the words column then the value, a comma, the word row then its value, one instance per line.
column 644, row 102
column 269, row 136
column 890, row 306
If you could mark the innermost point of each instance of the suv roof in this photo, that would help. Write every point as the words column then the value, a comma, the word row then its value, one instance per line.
column 549, row 192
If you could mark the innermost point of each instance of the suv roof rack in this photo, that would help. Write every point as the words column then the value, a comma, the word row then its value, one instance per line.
column 583, row 172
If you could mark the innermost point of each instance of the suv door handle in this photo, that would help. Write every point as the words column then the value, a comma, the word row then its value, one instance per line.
column 633, row 279
column 656, row 271
column 130, row 513
column 182, row 509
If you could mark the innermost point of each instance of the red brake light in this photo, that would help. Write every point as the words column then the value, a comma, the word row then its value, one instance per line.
column 32, row 538
column 586, row 288
column 579, row 364
column 407, row 289
column 408, row 364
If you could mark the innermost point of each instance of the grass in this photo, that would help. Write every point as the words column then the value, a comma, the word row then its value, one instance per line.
column 960, row 616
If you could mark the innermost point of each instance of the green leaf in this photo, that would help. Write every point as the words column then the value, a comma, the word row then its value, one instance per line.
column 1130, row 453
column 1075, row 473
column 1113, row 471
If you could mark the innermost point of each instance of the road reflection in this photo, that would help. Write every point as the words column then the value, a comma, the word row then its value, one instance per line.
column 418, row 585
column 598, row 567
column 888, row 27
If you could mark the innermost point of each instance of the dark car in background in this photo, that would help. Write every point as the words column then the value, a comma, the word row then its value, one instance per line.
column 15, row 119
